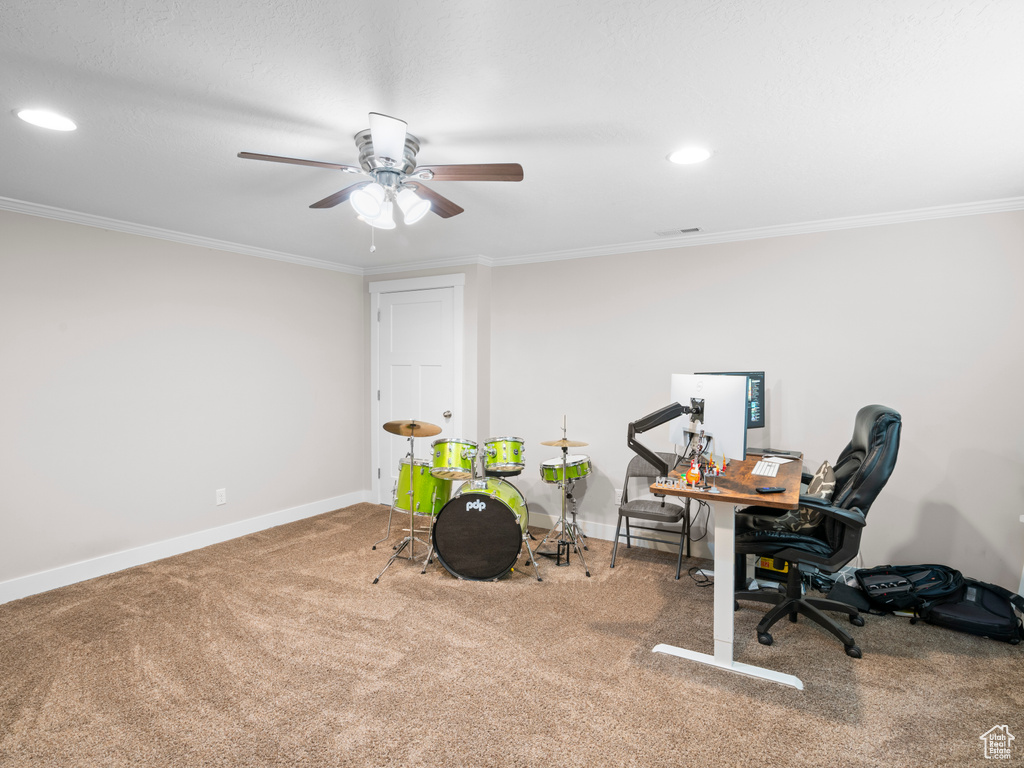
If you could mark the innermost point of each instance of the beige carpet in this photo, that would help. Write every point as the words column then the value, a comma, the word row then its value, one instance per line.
column 277, row 650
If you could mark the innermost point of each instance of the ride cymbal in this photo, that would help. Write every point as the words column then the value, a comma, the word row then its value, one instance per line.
column 407, row 427
column 563, row 443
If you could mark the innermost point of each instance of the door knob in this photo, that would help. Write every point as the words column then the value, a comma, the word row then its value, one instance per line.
column 447, row 414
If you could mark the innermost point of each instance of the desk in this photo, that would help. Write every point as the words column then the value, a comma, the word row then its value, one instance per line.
column 737, row 489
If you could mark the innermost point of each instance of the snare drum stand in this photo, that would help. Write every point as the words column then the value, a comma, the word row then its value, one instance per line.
column 411, row 538
column 570, row 536
column 464, row 453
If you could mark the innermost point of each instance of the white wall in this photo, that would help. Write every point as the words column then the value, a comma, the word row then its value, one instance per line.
column 924, row 317
column 141, row 375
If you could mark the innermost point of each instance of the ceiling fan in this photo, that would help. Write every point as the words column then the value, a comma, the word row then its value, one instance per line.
column 387, row 154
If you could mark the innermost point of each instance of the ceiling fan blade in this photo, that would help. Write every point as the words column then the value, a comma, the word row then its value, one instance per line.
column 296, row 161
column 485, row 172
column 339, row 197
column 442, row 206
column 388, row 136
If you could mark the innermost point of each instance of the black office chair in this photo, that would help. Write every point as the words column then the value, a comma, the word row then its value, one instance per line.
column 861, row 471
column 652, row 510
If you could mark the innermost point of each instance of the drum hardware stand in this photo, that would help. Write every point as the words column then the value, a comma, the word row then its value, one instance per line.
column 570, row 535
column 433, row 518
column 527, row 536
column 577, row 531
column 394, row 495
column 410, row 429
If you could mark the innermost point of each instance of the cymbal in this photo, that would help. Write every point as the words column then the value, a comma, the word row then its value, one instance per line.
column 407, row 427
column 563, row 443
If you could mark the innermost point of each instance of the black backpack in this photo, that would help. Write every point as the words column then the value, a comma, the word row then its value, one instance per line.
column 908, row 587
column 980, row 609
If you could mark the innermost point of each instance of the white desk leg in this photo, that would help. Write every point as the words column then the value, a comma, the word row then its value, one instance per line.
column 725, row 550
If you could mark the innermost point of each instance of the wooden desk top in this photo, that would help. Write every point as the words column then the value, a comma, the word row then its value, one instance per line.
column 737, row 486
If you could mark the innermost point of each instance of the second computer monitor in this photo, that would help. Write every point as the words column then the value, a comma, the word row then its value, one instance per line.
column 725, row 411
column 755, row 394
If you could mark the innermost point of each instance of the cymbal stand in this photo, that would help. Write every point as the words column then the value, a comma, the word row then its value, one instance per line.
column 577, row 531
column 411, row 539
column 569, row 534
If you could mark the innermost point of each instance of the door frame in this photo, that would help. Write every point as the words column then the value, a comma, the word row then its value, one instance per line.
column 457, row 283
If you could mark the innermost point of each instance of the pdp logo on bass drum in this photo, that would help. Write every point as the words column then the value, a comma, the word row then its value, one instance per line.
column 477, row 505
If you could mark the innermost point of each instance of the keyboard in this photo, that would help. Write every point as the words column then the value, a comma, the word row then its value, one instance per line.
column 766, row 468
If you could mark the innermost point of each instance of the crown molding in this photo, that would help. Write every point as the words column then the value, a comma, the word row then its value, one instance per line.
column 462, row 261
column 101, row 222
column 683, row 241
column 779, row 230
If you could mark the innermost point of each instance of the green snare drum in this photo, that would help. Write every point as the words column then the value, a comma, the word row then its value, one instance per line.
column 505, row 455
column 576, row 468
column 430, row 493
column 453, row 458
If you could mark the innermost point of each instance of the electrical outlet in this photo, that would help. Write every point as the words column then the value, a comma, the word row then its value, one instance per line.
column 222, row 496
column 618, row 495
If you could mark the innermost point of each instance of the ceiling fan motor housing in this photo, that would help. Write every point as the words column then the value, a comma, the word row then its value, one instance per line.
column 369, row 161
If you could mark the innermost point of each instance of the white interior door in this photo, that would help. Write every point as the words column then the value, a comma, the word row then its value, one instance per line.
column 418, row 347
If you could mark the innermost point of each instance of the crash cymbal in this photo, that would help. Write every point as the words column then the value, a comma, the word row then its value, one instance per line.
column 407, row 427
column 563, row 443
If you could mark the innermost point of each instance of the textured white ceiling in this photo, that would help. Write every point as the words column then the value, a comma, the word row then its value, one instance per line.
column 814, row 110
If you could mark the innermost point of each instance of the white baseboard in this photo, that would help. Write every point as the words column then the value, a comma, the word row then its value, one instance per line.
column 33, row 584
column 602, row 531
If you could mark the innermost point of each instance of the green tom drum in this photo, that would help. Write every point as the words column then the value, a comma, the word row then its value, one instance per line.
column 576, row 468
column 453, row 458
column 504, row 454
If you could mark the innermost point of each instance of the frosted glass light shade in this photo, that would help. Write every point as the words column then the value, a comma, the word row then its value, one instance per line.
column 386, row 218
column 413, row 206
column 368, row 200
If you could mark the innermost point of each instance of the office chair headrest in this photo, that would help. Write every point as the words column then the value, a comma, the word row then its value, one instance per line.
column 864, row 466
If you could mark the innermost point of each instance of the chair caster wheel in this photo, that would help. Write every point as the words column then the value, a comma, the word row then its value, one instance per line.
column 853, row 652
column 764, row 638
column 857, row 621
column 735, row 605
column 374, row 547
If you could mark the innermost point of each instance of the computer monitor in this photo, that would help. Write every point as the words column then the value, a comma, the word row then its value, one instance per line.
column 755, row 394
column 724, row 412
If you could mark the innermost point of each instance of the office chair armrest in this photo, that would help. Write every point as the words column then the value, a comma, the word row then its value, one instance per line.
column 806, row 477
column 852, row 517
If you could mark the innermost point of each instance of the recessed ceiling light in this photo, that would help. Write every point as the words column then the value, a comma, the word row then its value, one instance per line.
column 689, row 155
column 45, row 119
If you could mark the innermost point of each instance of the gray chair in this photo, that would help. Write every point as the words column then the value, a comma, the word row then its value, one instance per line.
column 653, row 511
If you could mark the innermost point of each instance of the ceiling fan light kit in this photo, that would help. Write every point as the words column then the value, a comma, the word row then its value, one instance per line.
column 368, row 200
column 413, row 206
column 387, row 154
column 385, row 219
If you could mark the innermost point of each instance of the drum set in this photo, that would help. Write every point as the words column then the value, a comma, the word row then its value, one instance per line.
column 478, row 532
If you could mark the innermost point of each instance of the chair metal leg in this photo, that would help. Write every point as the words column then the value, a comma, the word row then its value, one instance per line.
column 679, row 561
column 615, row 547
